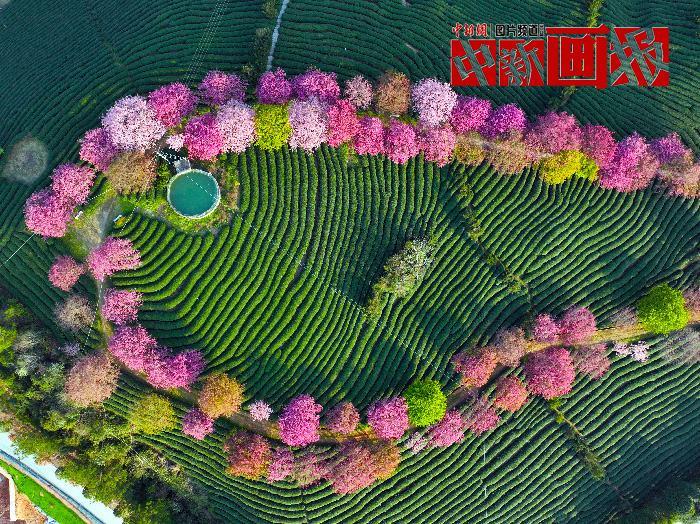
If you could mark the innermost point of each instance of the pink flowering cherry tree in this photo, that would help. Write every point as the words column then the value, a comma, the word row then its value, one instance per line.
column 554, row 132
column 202, row 137
column 437, row 144
column 132, row 124
column 550, row 373
column 343, row 123
column 299, row 421
column 97, row 148
column 343, row 418
column 309, row 121
column 598, row 143
column 470, row 114
column 400, row 142
column 260, row 410
column 114, row 254
column 172, row 102
column 121, row 306
column 72, row 183
column 65, row 272
column 167, row 371
column 358, row 91
column 482, row 417
column 274, row 87
column 511, row 394
column 433, row 101
column 197, row 424
column 388, row 418
column 505, row 121
column 450, row 430
column 316, row 84
column 576, row 325
column 218, row 88
column 47, row 214
column 134, row 346
column 369, row 139
column 632, row 167
column 236, row 124
column 545, row 328
column 476, row 369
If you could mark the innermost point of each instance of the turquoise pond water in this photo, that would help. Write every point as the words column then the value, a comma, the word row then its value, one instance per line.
column 193, row 193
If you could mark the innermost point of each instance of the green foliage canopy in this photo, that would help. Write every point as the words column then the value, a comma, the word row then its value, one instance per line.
column 663, row 310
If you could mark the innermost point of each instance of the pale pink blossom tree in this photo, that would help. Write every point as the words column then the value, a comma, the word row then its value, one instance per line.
column 576, row 325
column 358, row 91
column 218, row 88
column 343, row 418
column 197, row 424
column 65, row 272
column 134, row 346
column 309, row 121
column 260, row 410
column 437, row 144
column 236, row 123
column 97, row 148
column 72, row 183
column 510, row 395
column 450, row 430
column 132, row 124
column 433, row 101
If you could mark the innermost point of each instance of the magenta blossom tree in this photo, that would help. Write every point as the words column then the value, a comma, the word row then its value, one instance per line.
column 202, row 137
column 133, row 346
column 260, row 410
column 470, row 114
column 545, row 328
column 437, row 144
column 72, row 183
column 370, row 136
column 343, row 123
column 550, row 373
column 316, row 84
column 121, row 306
column 236, row 124
column 172, row 102
column 97, row 148
column 400, row 142
column 482, row 417
column 632, row 167
column 218, row 88
column 114, row 254
column 47, row 214
column 598, row 143
column 670, row 149
column 450, row 430
column 65, row 272
column 299, row 421
column 433, row 101
column 168, row 371
column 132, row 124
column 358, row 91
column 554, row 132
column 388, row 418
column 309, row 121
column 510, row 395
column 576, row 325
column 274, row 88
column 281, row 465
column 343, row 418
column 197, row 424
column 506, row 121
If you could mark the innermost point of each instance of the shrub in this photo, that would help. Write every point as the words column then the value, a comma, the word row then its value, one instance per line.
column 482, row 417
column 132, row 172
column 236, row 124
column 274, row 88
column 218, row 88
column 75, row 313
column 260, row 410
column 249, row 455
column 426, row 402
column 393, row 93
column 510, row 394
column 220, row 396
column 403, row 272
column 576, row 325
column 400, row 142
column 343, row 123
column 121, row 306
column 133, row 346
column 343, row 418
column 591, row 360
column 46, row 214
column 72, row 183
column 197, row 424
column 476, row 369
column 437, row 144
column 632, row 167
column 152, row 414
column 509, row 346
column 450, row 430
column 469, row 149
column 65, row 272
column 639, row 351
column 132, row 124
column 358, row 91
column 388, row 418
column 172, row 102
column 683, row 347
column 470, row 114
column 299, row 421
column 561, row 166
column 91, row 380
column 97, row 148
column 506, row 121
column 369, row 139
column 272, row 126
column 309, row 122
column 316, row 84
column 433, row 101
column 554, row 132
column 202, row 137
column 545, row 328
column 663, row 310
column 550, row 373
column 114, row 254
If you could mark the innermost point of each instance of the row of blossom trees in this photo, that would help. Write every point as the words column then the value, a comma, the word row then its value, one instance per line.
column 311, row 109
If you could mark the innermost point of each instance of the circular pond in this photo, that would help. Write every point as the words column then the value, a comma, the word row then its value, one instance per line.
column 193, row 193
